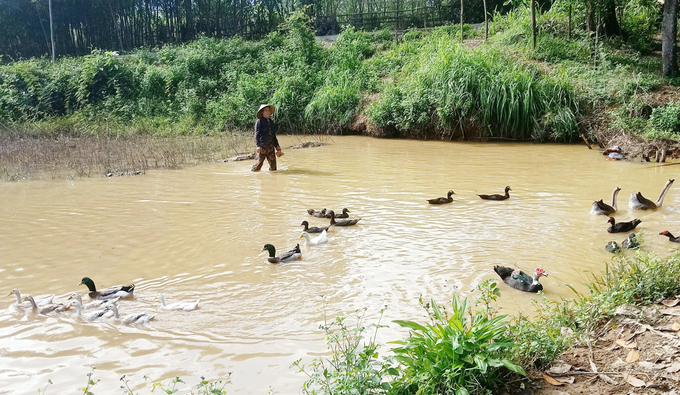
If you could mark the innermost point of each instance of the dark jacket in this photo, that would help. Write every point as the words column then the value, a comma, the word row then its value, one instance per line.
column 265, row 133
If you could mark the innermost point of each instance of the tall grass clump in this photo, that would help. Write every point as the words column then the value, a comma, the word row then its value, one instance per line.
column 448, row 88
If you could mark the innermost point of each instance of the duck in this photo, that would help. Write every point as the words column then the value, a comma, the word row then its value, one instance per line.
column 442, row 200
column 497, row 196
column 520, row 280
column 344, row 214
column 186, row 306
column 320, row 214
column 136, row 318
column 344, row 222
column 119, row 291
column 670, row 236
column 622, row 226
column 287, row 256
column 42, row 300
column 602, row 208
column 92, row 316
column 46, row 309
column 612, row 247
column 94, row 304
column 632, row 242
column 320, row 239
column 639, row 202
column 313, row 229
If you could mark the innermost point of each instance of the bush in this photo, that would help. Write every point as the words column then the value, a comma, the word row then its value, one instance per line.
column 666, row 119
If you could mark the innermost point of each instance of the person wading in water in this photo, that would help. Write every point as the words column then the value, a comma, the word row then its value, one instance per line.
column 265, row 138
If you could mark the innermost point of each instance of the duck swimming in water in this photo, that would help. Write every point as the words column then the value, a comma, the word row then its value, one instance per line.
column 118, row 291
column 287, row 256
column 313, row 229
column 343, row 214
column 520, row 280
column 601, row 208
column 670, row 236
column 639, row 202
column 497, row 196
column 318, row 214
column 345, row 222
column 442, row 200
column 622, row 226
column 320, row 239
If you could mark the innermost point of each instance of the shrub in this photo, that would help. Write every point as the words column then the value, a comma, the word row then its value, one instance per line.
column 454, row 355
column 666, row 119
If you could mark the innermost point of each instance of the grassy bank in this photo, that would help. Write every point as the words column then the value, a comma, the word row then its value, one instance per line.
column 421, row 85
column 467, row 348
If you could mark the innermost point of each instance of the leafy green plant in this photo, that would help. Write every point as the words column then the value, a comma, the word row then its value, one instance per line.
column 456, row 354
column 353, row 367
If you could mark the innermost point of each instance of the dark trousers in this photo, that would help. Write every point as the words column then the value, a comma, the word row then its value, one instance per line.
column 268, row 153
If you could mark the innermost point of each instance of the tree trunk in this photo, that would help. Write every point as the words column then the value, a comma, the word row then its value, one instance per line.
column 486, row 23
column 668, row 38
column 609, row 19
column 533, row 24
column 461, row 20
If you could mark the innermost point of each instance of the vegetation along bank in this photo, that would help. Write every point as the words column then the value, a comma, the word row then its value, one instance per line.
column 419, row 84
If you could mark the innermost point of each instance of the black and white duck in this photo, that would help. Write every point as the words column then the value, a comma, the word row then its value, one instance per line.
column 344, row 222
column 520, row 280
column 639, row 202
column 602, row 208
column 622, row 226
column 118, row 291
column 313, row 229
column 287, row 256
column 497, row 196
column 442, row 200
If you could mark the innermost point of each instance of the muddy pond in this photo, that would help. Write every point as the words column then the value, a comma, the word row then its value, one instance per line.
column 198, row 232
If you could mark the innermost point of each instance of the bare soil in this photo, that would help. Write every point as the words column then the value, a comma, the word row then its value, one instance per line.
column 637, row 352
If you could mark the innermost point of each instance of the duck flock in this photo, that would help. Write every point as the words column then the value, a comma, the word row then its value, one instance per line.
column 104, row 304
column 513, row 277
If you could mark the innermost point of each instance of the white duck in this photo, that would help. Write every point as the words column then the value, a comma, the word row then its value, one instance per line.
column 46, row 309
column 186, row 306
column 95, row 315
column 40, row 301
column 639, row 202
column 320, row 239
column 94, row 304
column 137, row 318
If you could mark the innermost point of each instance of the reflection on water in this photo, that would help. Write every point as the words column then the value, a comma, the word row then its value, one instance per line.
column 198, row 232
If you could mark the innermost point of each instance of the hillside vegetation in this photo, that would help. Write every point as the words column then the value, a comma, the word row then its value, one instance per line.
column 422, row 84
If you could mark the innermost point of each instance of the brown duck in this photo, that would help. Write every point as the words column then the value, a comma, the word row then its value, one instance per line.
column 497, row 196
column 442, row 200
column 313, row 229
column 344, row 214
column 344, row 222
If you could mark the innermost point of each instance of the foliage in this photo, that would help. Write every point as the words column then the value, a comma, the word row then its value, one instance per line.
column 454, row 355
column 445, row 87
column 353, row 367
column 666, row 119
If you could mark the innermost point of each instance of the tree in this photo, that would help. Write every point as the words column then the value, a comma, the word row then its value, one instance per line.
column 668, row 39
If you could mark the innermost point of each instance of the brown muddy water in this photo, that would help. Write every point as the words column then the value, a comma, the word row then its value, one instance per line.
column 198, row 232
